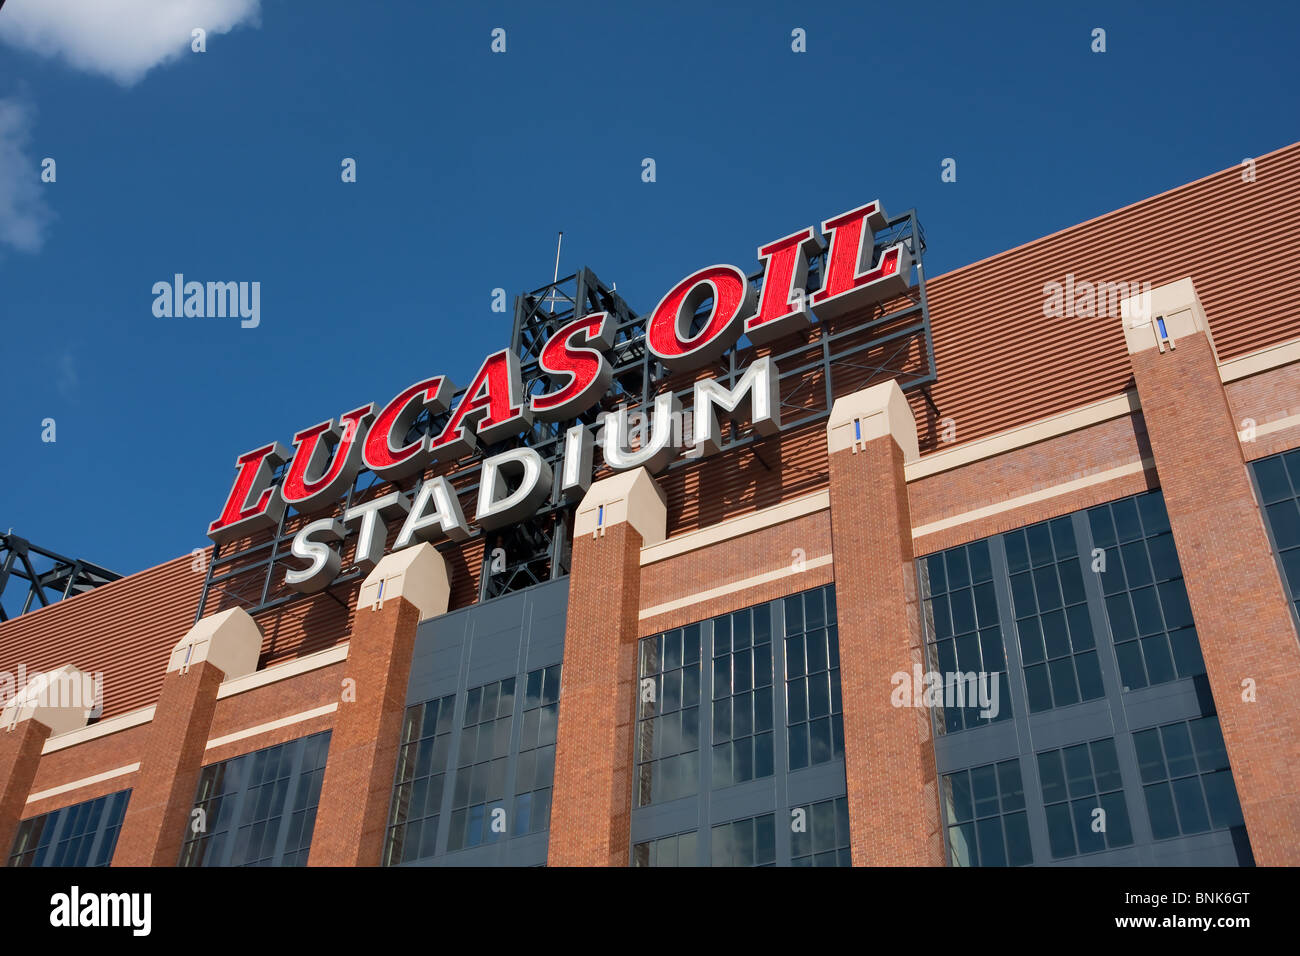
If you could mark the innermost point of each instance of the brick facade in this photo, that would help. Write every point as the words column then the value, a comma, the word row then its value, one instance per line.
column 888, row 752
column 591, row 810
column 163, row 791
column 358, row 785
column 20, row 754
column 994, row 379
column 1242, row 617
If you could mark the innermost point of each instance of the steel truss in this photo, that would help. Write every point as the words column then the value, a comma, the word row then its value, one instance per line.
column 66, row 577
column 892, row 341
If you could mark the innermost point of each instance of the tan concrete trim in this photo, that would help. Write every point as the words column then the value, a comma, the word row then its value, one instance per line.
column 632, row 496
column 733, row 586
column 303, row 665
column 1279, row 425
column 1274, row 356
column 735, row 527
column 876, row 412
column 271, row 725
column 84, row 782
column 1033, row 497
column 112, row 725
column 1050, row 427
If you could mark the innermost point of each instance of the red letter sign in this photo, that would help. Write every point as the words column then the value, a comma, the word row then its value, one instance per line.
column 380, row 455
column 308, row 494
column 252, row 484
column 850, row 282
column 668, row 334
column 589, row 372
column 494, row 401
column 785, row 274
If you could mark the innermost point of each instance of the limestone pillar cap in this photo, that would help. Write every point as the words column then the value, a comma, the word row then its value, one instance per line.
column 629, row 496
column 1157, row 319
column 872, row 413
column 230, row 640
column 418, row 573
column 61, row 699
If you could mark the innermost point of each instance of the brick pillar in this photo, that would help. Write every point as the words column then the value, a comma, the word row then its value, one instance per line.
column 162, row 796
column 1237, row 599
column 591, row 808
column 20, row 755
column 404, row 588
column 51, row 703
column 888, row 751
column 158, row 814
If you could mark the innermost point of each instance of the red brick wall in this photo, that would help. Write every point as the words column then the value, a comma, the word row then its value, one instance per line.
column 20, row 753
column 888, row 751
column 163, row 791
column 592, row 798
column 1267, row 397
column 1242, row 617
column 770, row 549
column 358, row 783
column 1022, row 471
column 85, row 760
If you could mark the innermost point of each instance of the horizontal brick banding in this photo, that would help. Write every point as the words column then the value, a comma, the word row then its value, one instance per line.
column 1023, row 471
column 1268, row 397
column 281, row 699
column 85, row 760
column 271, row 738
column 766, row 549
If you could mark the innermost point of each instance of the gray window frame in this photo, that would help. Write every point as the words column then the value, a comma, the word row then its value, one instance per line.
column 1118, row 713
column 779, row 794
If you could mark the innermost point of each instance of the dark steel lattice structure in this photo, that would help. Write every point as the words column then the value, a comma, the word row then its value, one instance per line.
column 20, row 560
column 891, row 340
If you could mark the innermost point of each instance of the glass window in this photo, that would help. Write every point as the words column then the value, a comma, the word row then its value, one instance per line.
column 984, row 808
column 1277, row 479
column 84, row 834
column 668, row 716
column 819, row 834
column 1084, row 799
column 742, row 696
column 814, row 711
column 1146, row 600
column 750, row 842
column 711, row 708
column 535, row 769
column 258, row 809
column 421, row 775
column 478, row 810
column 963, row 634
column 678, row 850
column 1054, row 629
column 1186, row 779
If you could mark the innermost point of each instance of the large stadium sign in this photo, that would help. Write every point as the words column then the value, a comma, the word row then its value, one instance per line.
column 681, row 333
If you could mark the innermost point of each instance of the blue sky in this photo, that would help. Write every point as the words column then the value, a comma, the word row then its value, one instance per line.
column 225, row 165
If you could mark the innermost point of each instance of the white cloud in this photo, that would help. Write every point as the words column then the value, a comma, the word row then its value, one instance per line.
column 24, row 214
column 123, row 39
column 67, row 378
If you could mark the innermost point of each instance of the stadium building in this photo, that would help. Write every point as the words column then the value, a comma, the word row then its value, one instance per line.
column 829, row 563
